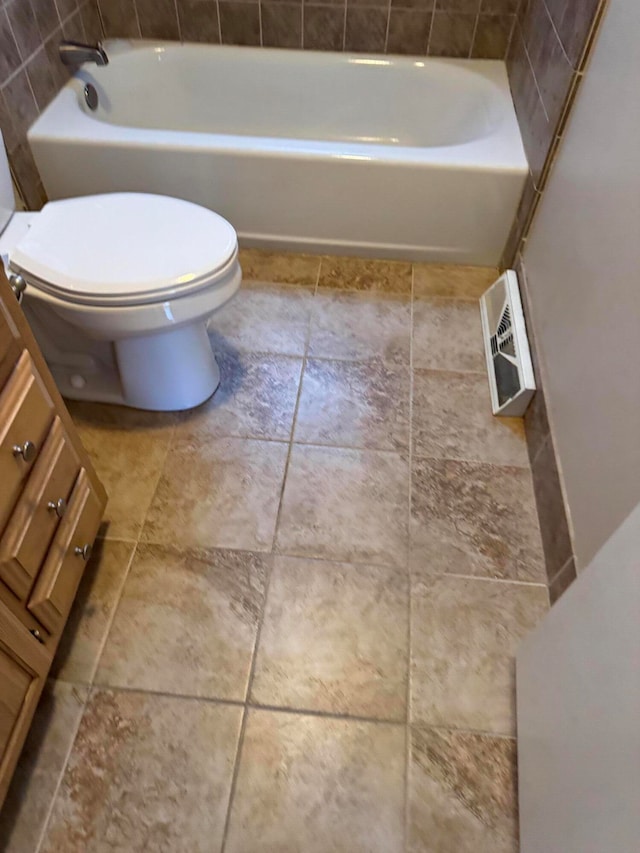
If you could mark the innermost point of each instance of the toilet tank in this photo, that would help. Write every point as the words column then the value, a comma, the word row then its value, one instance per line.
column 7, row 199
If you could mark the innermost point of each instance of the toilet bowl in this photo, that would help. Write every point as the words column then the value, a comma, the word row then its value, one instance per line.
column 119, row 289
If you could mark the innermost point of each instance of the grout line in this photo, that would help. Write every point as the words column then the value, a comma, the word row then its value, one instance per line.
column 560, row 570
column 407, row 765
column 386, row 32
column 245, row 713
column 462, row 729
column 426, row 576
column 326, row 715
column 45, row 824
column 501, row 465
column 475, row 33
column 112, row 617
column 344, row 27
column 179, row 25
column 254, row 657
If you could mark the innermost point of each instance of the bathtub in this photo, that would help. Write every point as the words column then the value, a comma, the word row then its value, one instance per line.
column 370, row 155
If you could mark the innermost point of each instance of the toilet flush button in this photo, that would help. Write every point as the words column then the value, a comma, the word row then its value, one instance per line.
column 78, row 381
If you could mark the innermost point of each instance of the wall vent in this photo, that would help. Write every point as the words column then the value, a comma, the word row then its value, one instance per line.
column 507, row 347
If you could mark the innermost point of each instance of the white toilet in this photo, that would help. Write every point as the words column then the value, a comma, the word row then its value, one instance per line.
column 119, row 288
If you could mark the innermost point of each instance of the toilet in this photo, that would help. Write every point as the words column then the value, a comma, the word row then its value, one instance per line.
column 119, row 290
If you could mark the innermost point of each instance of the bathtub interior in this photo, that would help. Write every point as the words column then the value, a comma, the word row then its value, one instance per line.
column 342, row 98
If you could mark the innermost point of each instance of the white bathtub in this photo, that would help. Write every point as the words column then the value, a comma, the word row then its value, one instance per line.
column 352, row 154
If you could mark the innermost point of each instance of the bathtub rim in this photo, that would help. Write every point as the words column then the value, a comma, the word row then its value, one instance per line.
column 65, row 121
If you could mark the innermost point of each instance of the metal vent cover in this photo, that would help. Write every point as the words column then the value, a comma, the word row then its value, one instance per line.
column 507, row 347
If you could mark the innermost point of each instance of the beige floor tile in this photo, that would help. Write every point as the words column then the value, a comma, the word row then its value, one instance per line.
column 41, row 763
column 345, row 505
column 469, row 518
column 186, row 623
column 128, row 448
column 365, row 274
column 334, row 638
column 447, row 335
column 261, row 318
column 464, row 636
column 452, row 419
column 279, row 267
column 462, row 793
column 452, row 282
column 318, row 785
column 361, row 326
column 85, row 632
column 218, row 493
column 354, row 404
column 146, row 773
column 256, row 399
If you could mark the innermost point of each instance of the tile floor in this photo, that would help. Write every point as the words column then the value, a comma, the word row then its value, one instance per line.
column 297, row 631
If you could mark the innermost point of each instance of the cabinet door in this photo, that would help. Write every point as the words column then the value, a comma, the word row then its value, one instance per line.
column 10, row 345
column 24, row 664
column 60, row 575
column 26, row 411
column 38, row 511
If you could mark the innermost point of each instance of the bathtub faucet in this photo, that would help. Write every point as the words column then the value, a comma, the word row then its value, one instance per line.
column 75, row 53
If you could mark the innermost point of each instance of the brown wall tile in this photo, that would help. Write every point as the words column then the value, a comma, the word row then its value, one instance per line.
column 158, row 19
column 493, row 33
column 451, row 34
column 9, row 53
column 46, row 16
column 31, row 72
column 573, row 20
column 409, row 31
column 119, row 18
column 25, row 27
column 323, row 27
column 240, row 23
column 366, row 29
column 548, row 48
column 66, row 8
column 562, row 580
column 199, row 21
column 282, row 25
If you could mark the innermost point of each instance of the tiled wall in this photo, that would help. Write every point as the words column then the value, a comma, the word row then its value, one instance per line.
column 547, row 56
column 554, row 526
column 31, row 73
column 478, row 28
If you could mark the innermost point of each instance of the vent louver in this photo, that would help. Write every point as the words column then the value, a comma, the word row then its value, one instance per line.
column 507, row 347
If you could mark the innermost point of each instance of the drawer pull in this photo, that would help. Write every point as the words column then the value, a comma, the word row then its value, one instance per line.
column 84, row 551
column 18, row 285
column 59, row 507
column 37, row 634
column 28, row 451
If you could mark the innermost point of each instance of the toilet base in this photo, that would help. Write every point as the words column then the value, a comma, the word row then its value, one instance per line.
column 168, row 371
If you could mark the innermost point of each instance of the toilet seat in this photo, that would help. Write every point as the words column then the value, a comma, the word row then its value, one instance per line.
column 124, row 249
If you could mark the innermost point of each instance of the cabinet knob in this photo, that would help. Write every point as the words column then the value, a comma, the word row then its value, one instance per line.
column 18, row 285
column 84, row 551
column 59, row 507
column 28, row 451
column 36, row 634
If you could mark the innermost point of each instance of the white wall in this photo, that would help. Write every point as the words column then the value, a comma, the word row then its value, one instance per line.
column 582, row 261
column 578, row 710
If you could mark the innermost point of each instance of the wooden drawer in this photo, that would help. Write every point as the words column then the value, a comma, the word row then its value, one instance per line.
column 58, row 580
column 26, row 411
column 10, row 345
column 38, row 511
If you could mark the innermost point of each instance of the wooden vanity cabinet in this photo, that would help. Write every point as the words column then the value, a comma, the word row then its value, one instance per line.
column 51, row 506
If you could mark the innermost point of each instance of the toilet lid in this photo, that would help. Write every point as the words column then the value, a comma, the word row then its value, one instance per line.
column 124, row 247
